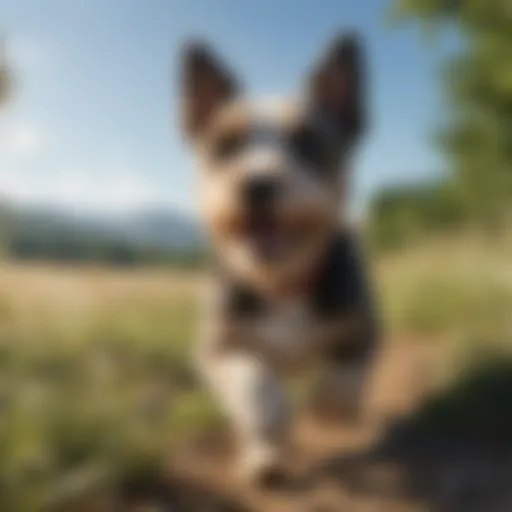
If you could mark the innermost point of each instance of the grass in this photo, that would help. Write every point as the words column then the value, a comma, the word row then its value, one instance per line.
column 449, row 289
column 95, row 381
column 457, row 294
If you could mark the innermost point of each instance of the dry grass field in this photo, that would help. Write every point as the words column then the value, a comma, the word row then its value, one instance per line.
column 97, row 395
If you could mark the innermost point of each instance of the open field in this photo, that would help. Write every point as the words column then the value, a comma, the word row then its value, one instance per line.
column 97, row 394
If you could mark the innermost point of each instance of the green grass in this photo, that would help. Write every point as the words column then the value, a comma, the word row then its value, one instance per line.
column 456, row 294
column 95, row 380
column 450, row 289
column 92, row 386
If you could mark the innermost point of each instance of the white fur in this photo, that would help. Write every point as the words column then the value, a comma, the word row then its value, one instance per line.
column 254, row 399
column 243, row 373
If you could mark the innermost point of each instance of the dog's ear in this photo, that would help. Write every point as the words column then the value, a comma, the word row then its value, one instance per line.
column 337, row 87
column 205, row 85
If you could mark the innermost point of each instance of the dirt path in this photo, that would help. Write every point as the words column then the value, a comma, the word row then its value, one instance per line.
column 382, row 465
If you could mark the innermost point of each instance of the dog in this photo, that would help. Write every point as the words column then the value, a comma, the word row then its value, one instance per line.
column 289, row 286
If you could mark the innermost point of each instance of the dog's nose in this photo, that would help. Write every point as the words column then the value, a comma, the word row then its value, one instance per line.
column 260, row 192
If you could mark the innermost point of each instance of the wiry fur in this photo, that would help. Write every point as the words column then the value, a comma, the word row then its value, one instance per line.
column 292, row 290
column 306, row 200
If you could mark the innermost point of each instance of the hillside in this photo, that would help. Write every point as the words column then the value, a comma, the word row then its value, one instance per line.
column 51, row 234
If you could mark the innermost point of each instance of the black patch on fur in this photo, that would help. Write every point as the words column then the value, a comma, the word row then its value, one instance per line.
column 342, row 291
column 342, row 286
column 357, row 350
column 237, row 299
column 243, row 302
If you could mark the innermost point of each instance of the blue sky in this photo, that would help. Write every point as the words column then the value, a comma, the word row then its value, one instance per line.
column 94, row 122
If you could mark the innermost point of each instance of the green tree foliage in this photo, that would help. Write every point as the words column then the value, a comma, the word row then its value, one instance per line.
column 36, row 236
column 70, row 247
column 478, row 83
column 5, row 75
column 476, row 135
column 401, row 214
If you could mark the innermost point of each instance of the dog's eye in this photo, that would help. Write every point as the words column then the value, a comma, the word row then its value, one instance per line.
column 308, row 145
column 227, row 146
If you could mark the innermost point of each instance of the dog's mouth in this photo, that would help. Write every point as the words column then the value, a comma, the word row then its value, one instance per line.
column 273, row 236
column 269, row 238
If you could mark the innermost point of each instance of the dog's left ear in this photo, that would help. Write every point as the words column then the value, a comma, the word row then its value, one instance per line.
column 205, row 85
column 337, row 87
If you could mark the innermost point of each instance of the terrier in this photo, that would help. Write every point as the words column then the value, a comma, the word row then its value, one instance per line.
column 289, row 285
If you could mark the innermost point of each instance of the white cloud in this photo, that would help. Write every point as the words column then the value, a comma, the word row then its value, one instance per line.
column 32, row 173
column 111, row 191
column 22, row 140
column 84, row 191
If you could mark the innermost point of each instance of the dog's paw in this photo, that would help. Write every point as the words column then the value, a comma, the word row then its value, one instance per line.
column 263, row 468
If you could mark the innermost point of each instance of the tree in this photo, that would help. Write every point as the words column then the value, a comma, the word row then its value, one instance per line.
column 5, row 75
column 477, row 137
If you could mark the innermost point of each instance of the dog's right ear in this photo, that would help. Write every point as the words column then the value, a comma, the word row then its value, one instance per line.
column 337, row 86
column 205, row 85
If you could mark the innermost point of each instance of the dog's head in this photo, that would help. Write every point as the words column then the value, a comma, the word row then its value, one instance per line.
column 272, row 172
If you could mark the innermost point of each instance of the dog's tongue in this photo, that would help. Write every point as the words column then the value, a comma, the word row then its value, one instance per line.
column 266, row 238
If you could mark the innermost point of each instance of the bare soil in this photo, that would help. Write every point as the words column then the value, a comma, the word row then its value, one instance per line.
column 387, row 463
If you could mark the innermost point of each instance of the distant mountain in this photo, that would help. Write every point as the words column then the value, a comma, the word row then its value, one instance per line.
column 148, row 235
column 161, row 228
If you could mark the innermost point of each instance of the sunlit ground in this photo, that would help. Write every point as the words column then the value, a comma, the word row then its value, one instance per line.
column 95, row 379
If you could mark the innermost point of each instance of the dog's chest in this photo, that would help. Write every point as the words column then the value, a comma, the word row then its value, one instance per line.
column 295, row 325
column 287, row 324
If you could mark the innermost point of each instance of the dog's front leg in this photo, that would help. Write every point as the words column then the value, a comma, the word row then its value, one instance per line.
column 340, row 392
column 254, row 401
